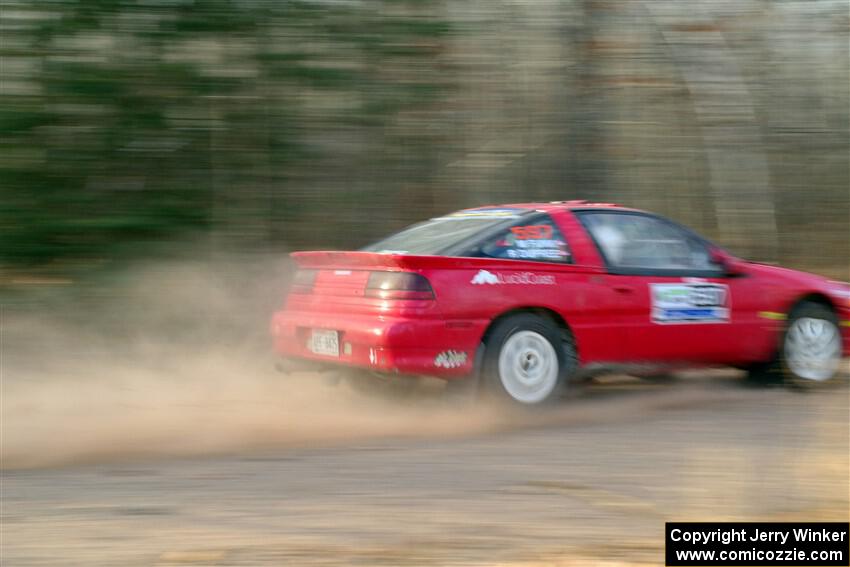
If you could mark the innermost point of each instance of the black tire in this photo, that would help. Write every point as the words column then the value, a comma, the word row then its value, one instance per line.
column 782, row 368
column 535, row 329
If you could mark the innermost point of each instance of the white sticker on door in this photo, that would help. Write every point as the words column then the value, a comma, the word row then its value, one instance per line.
column 689, row 303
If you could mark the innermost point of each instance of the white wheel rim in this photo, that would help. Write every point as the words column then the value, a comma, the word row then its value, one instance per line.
column 528, row 367
column 813, row 348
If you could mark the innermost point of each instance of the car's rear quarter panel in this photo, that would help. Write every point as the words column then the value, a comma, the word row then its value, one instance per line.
column 575, row 295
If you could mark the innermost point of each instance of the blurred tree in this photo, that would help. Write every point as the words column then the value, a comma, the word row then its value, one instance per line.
column 136, row 122
column 324, row 124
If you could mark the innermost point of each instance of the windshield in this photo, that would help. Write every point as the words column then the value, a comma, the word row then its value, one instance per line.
column 434, row 237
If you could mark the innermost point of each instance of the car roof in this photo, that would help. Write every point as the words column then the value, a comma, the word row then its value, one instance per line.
column 553, row 206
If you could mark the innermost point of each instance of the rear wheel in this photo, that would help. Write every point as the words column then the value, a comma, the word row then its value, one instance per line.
column 810, row 351
column 528, row 359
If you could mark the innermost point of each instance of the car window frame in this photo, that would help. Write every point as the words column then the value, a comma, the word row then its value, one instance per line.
column 719, row 272
column 472, row 248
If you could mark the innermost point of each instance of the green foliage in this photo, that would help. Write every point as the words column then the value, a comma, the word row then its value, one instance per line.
column 140, row 121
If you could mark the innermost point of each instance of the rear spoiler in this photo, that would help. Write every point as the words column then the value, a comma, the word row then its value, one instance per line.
column 339, row 259
column 367, row 260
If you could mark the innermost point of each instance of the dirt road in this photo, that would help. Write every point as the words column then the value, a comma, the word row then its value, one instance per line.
column 589, row 483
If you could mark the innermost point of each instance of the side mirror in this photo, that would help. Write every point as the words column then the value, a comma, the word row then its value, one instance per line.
column 731, row 266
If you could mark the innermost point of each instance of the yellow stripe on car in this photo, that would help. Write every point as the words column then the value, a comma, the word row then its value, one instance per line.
column 772, row 315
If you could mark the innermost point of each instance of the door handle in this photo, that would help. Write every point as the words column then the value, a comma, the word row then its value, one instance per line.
column 624, row 289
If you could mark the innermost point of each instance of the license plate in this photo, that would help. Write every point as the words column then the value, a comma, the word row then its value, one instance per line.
column 324, row 342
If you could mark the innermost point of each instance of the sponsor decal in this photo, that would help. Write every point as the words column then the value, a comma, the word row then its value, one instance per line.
column 483, row 277
column 538, row 250
column 450, row 359
column 533, row 232
column 689, row 303
column 535, row 242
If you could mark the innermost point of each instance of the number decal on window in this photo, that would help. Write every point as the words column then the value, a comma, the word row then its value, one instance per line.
column 533, row 232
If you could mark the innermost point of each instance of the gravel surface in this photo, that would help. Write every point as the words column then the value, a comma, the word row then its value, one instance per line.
column 589, row 483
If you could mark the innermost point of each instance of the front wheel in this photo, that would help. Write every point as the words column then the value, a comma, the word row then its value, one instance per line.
column 527, row 360
column 810, row 350
column 811, row 347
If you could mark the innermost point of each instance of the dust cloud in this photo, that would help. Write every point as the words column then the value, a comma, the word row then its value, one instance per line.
column 175, row 360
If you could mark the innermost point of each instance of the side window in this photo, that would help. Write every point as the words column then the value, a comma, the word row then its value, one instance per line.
column 538, row 240
column 634, row 241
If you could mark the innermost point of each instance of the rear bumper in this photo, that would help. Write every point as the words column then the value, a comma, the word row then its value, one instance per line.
column 431, row 347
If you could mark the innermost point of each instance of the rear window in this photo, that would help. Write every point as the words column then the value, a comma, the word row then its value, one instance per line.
column 437, row 236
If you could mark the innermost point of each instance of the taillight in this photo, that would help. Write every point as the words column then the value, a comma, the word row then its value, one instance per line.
column 398, row 285
column 303, row 281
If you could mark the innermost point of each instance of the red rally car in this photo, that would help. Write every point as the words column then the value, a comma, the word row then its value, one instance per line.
column 530, row 297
